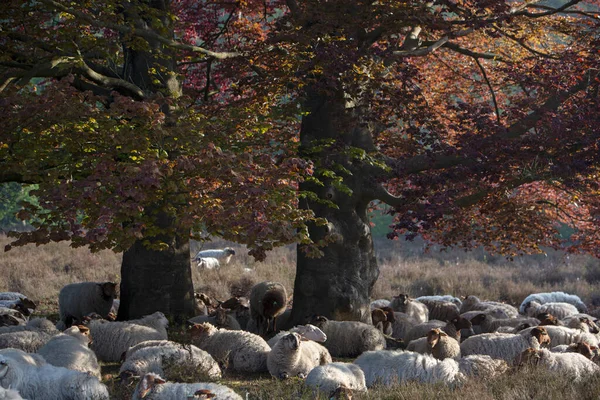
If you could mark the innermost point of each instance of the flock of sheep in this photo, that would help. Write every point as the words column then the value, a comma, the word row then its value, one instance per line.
column 429, row 339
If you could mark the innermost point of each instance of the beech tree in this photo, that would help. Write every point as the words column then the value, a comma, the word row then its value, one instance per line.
column 279, row 122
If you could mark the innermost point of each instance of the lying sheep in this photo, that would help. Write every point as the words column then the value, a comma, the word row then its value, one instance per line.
column 438, row 344
column 293, row 357
column 401, row 325
column 238, row 350
column 220, row 318
column 441, row 310
column 482, row 366
column 504, row 346
column 34, row 324
column 380, row 303
column 554, row 297
column 153, row 387
column 70, row 350
column 268, row 300
column 12, row 296
column 29, row 341
column 564, row 335
column 473, row 303
column 486, row 323
column 556, row 309
column 452, row 328
column 306, row 332
column 25, row 305
column 150, row 343
column 11, row 317
column 573, row 364
column 392, row 367
column 443, row 298
column 163, row 360
column 112, row 339
column 418, row 311
column 219, row 254
column 240, row 306
column 350, row 338
column 79, row 299
column 380, row 321
column 48, row 382
column 21, row 357
column 208, row 263
column 329, row 377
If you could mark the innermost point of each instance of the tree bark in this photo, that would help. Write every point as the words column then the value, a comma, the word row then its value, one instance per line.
column 339, row 284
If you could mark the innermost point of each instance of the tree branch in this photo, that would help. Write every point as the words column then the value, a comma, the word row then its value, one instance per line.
column 489, row 84
column 108, row 81
column 422, row 51
column 521, row 10
column 474, row 54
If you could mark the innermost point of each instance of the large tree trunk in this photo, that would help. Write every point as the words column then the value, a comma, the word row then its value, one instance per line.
column 339, row 284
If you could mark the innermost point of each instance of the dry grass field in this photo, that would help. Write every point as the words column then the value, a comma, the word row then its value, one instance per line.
column 40, row 272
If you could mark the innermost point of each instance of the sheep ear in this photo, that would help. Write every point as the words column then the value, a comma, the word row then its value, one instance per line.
column 109, row 288
column 3, row 369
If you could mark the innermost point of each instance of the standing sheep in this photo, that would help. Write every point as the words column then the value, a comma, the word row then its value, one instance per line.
column 268, row 300
column 417, row 310
column 238, row 350
column 79, row 299
column 293, row 357
column 329, row 377
column 218, row 254
column 112, row 339
column 554, row 297
column 153, row 387
column 350, row 338
column 208, row 263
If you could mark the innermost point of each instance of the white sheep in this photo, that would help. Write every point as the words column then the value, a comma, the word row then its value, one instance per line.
column 504, row 346
column 112, row 339
column 392, row 367
column 12, row 296
column 268, row 300
column 11, row 316
column 153, row 387
column 486, row 323
column 221, row 319
column 70, row 350
column 79, row 299
column 417, row 310
column 150, row 343
column 473, row 303
column 238, row 350
column 219, row 254
column 9, row 394
column 307, row 332
column 556, row 309
column 554, row 297
column 34, row 324
column 24, row 358
column 29, row 341
column 47, row 382
column 482, row 366
column 436, row 343
column 163, row 359
column 445, row 297
column 572, row 364
column 329, row 377
column 293, row 357
column 565, row 335
column 208, row 263
column 25, row 306
column 350, row 338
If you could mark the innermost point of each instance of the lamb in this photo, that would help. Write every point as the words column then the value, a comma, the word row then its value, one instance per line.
column 504, row 346
column 444, row 298
column 307, row 332
column 329, row 377
column 29, row 341
column 350, row 338
column 220, row 319
column 573, row 364
column 418, row 311
column 239, row 350
column 219, row 254
column 208, row 263
column 112, row 339
column 163, row 359
column 48, row 382
column 293, row 357
column 70, row 350
column 564, row 335
column 473, row 303
column 551, row 297
column 34, row 324
column 393, row 367
column 268, row 300
column 153, row 387
column 79, row 299
column 441, row 310
column 557, row 309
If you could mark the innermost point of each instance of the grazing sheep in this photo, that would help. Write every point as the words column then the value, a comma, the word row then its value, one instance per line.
column 220, row 319
column 268, row 300
column 441, row 310
column 153, row 387
column 564, row 335
column 29, row 341
column 473, row 303
column 208, row 263
column 293, row 357
column 112, row 339
column 34, row 324
column 70, row 350
column 418, row 311
column 350, row 338
column 307, row 332
column 558, row 310
column 219, row 254
column 482, row 366
column 163, row 360
column 392, row 367
column 329, row 377
column 573, row 364
column 380, row 303
column 238, row 350
column 47, row 382
column 79, row 299
column 554, row 297
column 504, row 346
column 444, row 298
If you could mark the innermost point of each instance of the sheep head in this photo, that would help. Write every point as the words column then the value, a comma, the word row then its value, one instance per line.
column 541, row 334
column 291, row 341
column 202, row 331
column 148, row 382
column 403, row 298
column 378, row 315
column 109, row 290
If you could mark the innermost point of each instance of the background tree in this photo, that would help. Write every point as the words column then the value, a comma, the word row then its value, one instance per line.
column 475, row 120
